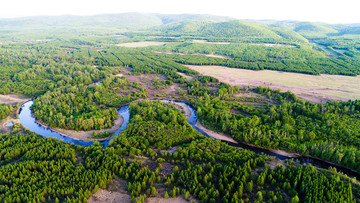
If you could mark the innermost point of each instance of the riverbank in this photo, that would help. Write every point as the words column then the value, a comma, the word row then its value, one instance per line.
column 86, row 135
column 183, row 109
column 216, row 135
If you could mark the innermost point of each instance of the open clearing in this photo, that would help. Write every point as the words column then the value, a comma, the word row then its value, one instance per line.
column 116, row 192
column 208, row 55
column 147, row 81
column 207, row 42
column 271, row 45
column 13, row 99
column 141, row 44
column 251, row 44
column 318, row 89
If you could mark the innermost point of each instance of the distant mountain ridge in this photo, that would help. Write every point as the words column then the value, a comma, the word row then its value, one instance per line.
column 123, row 20
column 188, row 23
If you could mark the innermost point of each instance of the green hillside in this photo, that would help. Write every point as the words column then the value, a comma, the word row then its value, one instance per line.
column 233, row 31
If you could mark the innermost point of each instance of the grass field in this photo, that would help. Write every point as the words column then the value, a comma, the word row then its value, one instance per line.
column 317, row 89
column 141, row 44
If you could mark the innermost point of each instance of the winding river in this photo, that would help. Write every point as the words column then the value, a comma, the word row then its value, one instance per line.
column 28, row 121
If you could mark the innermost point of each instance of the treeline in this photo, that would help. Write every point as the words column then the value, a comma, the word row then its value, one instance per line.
column 325, row 131
column 257, row 57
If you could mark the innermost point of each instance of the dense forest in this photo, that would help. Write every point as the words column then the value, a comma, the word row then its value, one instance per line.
column 72, row 173
column 80, row 74
column 329, row 131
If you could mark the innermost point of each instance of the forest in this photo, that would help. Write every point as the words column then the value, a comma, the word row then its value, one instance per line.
column 78, row 78
column 72, row 173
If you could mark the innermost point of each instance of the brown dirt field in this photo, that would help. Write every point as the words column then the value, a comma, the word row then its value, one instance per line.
column 318, row 89
column 85, row 135
column 13, row 99
column 116, row 192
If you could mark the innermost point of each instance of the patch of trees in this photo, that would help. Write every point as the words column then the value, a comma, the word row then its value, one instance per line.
column 207, row 79
column 157, row 124
column 199, row 91
column 73, row 108
column 5, row 110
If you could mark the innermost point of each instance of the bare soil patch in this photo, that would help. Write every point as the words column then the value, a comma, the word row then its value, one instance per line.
column 173, row 150
column 314, row 88
column 141, row 44
column 207, row 42
column 13, row 99
column 146, row 81
column 188, row 77
column 116, row 192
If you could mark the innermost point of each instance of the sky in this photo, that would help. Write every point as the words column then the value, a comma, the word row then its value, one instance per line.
column 327, row 11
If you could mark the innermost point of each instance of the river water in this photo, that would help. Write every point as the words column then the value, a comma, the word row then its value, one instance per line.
column 28, row 121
